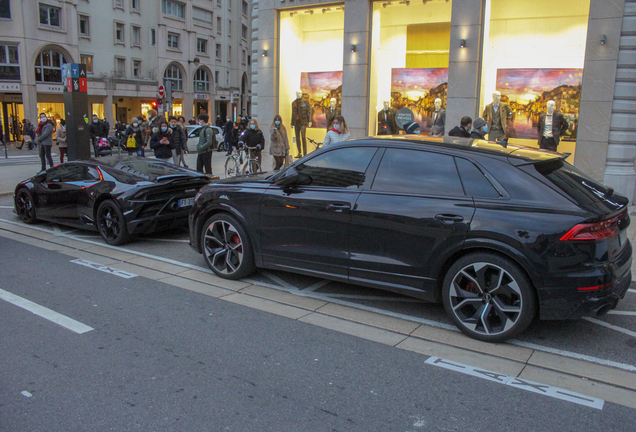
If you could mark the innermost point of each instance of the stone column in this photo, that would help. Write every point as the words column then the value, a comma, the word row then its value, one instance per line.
column 264, row 69
column 355, row 76
column 464, row 63
column 30, row 103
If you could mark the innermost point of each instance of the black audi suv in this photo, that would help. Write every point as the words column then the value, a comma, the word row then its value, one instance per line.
column 500, row 235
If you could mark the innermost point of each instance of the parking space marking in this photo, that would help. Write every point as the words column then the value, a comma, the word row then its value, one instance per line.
column 317, row 285
column 278, row 280
column 627, row 313
column 104, row 268
column 57, row 318
column 365, row 297
column 610, row 326
column 633, row 291
column 523, row 384
column 6, row 207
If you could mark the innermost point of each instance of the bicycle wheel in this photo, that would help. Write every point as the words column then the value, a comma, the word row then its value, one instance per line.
column 251, row 167
column 232, row 168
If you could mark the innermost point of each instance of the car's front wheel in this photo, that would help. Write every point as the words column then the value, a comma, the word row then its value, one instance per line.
column 25, row 206
column 226, row 247
column 111, row 223
column 488, row 297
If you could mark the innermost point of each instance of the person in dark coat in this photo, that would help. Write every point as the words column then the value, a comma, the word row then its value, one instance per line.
column 161, row 142
column 228, row 132
column 135, row 130
column 480, row 128
column 463, row 130
column 44, row 137
column 219, row 121
column 254, row 139
column 179, row 141
column 97, row 130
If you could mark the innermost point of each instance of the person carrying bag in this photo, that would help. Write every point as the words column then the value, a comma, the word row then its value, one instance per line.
column 207, row 141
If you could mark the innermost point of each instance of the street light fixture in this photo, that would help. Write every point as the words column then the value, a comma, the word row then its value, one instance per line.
column 196, row 61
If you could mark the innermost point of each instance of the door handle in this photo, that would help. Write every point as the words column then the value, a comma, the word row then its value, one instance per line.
column 448, row 218
column 338, row 207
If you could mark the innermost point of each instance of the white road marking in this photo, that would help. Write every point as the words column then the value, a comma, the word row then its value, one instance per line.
column 627, row 313
column 48, row 314
column 318, row 296
column 26, row 393
column 519, row 383
column 105, row 269
column 278, row 280
column 317, row 285
column 610, row 326
column 631, row 290
column 365, row 297
column 6, row 207
column 166, row 240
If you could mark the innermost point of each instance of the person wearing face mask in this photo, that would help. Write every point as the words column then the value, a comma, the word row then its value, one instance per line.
column 178, row 141
column 161, row 142
column 97, row 131
column 480, row 128
column 44, row 137
column 60, row 137
column 279, row 143
column 411, row 128
column 228, row 135
column 338, row 132
column 253, row 137
column 134, row 130
column 207, row 141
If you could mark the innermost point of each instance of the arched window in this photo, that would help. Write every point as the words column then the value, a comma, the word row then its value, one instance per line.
column 48, row 66
column 173, row 73
column 201, row 81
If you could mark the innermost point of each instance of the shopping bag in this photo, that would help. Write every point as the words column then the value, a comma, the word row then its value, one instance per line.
column 131, row 142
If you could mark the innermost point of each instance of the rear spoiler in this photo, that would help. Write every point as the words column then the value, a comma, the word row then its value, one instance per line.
column 545, row 157
column 171, row 177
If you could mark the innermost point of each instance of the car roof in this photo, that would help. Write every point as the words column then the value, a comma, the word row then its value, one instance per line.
column 516, row 154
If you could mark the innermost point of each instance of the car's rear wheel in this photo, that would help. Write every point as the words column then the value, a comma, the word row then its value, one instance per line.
column 488, row 297
column 112, row 224
column 226, row 247
column 25, row 207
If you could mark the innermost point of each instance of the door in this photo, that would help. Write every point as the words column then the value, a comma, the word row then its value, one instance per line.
column 414, row 212
column 305, row 228
column 61, row 191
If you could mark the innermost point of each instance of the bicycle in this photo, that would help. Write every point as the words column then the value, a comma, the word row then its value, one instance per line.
column 241, row 162
column 317, row 145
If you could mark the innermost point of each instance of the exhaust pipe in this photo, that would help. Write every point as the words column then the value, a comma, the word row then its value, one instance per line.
column 603, row 310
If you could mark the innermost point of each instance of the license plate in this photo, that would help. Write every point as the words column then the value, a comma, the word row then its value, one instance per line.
column 186, row 202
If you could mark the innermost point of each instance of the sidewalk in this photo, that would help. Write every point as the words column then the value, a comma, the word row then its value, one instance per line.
column 29, row 164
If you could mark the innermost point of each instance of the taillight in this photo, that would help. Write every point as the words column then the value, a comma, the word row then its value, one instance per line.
column 595, row 287
column 594, row 231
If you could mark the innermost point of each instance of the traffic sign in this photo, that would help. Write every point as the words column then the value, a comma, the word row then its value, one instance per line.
column 162, row 90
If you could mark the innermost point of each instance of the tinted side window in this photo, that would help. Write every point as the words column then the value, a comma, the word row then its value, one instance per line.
column 66, row 173
column 474, row 181
column 413, row 171
column 195, row 133
column 343, row 168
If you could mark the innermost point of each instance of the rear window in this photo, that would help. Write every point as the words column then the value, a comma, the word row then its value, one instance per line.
column 582, row 188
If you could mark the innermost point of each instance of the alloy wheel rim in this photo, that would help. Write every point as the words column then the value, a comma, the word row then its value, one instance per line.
column 486, row 299
column 109, row 223
column 25, row 206
column 223, row 247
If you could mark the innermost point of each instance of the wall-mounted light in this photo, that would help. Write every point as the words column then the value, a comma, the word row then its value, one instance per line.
column 462, row 43
column 310, row 12
column 603, row 39
column 291, row 14
column 406, row 2
column 325, row 10
column 196, row 61
column 386, row 4
column 353, row 48
column 264, row 53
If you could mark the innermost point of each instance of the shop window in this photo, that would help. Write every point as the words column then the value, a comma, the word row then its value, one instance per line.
column 523, row 60
column 5, row 9
column 9, row 64
column 88, row 61
column 202, row 46
column 173, row 73
column 173, row 40
column 410, row 44
column 201, row 81
column 173, row 8
column 137, row 68
column 48, row 66
column 50, row 15
column 202, row 16
column 310, row 61
column 136, row 36
column 84, row 28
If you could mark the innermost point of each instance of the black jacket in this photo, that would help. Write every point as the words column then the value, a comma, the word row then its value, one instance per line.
column 559, row 126
column 136, row 133
column 253, row 138
column 98, row 129
column 459, row 131
column 162, row 151
column 475, row 134
column 179, row 141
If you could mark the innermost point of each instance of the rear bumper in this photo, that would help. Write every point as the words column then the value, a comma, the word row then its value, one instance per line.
column 569, row 303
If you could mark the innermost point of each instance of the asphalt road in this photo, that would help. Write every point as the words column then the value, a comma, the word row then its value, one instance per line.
column 577, row 338
column 159, row 358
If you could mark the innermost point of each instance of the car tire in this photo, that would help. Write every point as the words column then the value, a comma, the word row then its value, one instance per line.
column 226, row 247
column 111, row 223
column 488, row 297
column 25, row 206
column 221, row 147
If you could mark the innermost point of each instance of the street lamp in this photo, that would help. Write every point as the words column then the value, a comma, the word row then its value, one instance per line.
column 196, row 61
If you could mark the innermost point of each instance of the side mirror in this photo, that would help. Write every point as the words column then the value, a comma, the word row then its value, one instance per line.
column 288, row 177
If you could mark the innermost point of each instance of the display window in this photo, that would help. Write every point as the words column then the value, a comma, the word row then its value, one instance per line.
column 410, row 44
column 177, row 108
column 52, row 110
column 532, row 56
column 97, row 109
column 310, row 73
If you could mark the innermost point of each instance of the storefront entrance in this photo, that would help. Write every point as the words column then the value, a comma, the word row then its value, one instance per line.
column 12, row 115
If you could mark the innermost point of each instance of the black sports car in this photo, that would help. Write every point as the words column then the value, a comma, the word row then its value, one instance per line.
column 498, row 234
column 117, row 196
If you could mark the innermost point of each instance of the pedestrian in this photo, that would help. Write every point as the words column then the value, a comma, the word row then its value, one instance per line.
column 480, row 128
column 411, row 128
column 463, row 130
column 28, row 135
column 192, row 122
column 338, row 132
column 228, row 132
column 97, row 131
column 134, row 131
column 254, row 139
column 60, row 137
column 207, row 139
column 161, row 142
column 107, row 126
column 146, row 133
column 153, row 121
column 181, row 120
column 219, row 121
column 279, row 143
column 179, row 141
column 44, row 137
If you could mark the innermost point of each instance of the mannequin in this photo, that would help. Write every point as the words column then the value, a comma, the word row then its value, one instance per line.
column 386, row 120
column 497, row 115
column 301, row 119
column 439, row 119
column 332, row 112
column 552, row 125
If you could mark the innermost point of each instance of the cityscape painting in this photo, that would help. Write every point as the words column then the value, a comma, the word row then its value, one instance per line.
column 527, row 92
column 318, row 88
column 417, row 89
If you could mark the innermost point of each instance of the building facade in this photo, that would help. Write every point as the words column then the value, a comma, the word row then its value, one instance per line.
column 405, row 54
column 130, row 47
